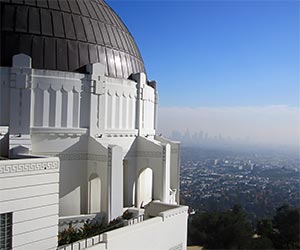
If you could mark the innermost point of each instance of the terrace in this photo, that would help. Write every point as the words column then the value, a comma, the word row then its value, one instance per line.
column 157, row 218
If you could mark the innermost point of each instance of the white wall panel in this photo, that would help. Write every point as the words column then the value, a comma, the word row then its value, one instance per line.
column 34, row 224
column 33, row 236
column 33, row 213
column 23, row 181
column 16, row 205
column 25, row 192
column 38, row 107
column 29, row 190
column 45, row 244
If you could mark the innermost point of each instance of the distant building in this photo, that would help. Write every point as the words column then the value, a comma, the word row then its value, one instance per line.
column 77, row 132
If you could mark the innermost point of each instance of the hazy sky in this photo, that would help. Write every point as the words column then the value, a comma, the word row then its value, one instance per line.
column 275, row 125
column 228, row 66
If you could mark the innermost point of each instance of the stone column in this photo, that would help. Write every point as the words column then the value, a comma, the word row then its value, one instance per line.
column 20, row 105
column 140, row 78
column 115, row 182
column 166, row 172
column 97, row 80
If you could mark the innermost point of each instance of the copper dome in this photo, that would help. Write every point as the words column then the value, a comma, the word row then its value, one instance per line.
column 66, row 35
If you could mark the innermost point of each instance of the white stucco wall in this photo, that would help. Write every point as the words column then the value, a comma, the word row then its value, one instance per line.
column 29, row 189
column 166, row 231
column 174, row 164
column 158, row 233
column 99, row 127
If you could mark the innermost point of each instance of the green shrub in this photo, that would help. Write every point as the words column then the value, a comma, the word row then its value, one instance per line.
column 69, row 235
column 89, row 229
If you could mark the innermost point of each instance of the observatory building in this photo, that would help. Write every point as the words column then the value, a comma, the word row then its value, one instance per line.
column 77, row 132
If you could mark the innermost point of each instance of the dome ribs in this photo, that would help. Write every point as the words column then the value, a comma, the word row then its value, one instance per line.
column 42, row 3
column 74, row 7
column 53, row 4
column 79, row 30
column 30, row 2
column 8, row 18
column 82, row 8
column 15, row 1
column 64, row 6
column 90, row 9
column 97, row 32
column 21, row 19
column 73, row 62
column 37, row 51
column 69, row 26
column 88, row 30
column 50, row 53
column 34, row 21
column 58, row 27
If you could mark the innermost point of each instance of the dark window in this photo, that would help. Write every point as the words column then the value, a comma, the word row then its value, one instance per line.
column 6, row 231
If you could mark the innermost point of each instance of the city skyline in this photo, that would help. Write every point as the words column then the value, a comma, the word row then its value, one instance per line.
column 266, row 126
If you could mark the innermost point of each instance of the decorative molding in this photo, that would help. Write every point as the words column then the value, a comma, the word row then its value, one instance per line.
column 77, row 156
column 147, row 154
column 59, row 131
column 28, row 167
column 120, row 132
column 96, row 157
column 164, row 153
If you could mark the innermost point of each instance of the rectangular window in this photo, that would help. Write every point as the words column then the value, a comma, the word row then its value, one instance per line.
column 6, row 231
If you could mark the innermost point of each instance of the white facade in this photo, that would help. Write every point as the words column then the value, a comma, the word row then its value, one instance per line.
column 29, row 190
column 166, row 230
column 103, row 131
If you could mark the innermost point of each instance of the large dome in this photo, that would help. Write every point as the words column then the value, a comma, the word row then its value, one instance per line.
column 66, row 35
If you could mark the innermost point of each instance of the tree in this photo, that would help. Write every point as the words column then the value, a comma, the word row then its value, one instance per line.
column 221, row 230
column 264, row 228
column 262, row 243
column 286, row 224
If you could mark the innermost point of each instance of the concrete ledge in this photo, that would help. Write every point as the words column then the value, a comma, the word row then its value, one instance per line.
column 59, row 131
column 28, row 166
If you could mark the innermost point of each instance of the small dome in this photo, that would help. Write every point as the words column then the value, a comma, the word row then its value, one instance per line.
column 66, row 35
